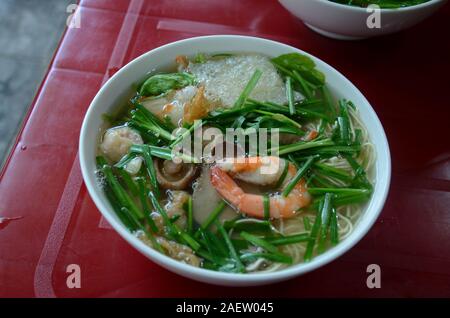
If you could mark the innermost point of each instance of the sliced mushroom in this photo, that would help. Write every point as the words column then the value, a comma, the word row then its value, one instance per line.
column 174, row 176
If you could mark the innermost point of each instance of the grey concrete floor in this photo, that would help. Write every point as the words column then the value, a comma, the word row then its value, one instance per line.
column 29, row 33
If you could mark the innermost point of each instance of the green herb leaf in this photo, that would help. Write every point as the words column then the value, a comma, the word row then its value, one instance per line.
column 302, row 64
column 248, row 89
column 162, row 83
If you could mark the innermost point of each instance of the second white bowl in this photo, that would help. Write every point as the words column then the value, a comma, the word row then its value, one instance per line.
column 345, row 22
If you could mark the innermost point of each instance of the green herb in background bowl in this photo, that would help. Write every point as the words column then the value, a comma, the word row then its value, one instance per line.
column 384, row 4
column 352, row 20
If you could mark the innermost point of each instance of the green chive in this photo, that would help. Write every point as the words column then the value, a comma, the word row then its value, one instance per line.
column 290, row 96
column 321, row 182
column 175, row 218
column 146, row 120
column 213, row 243
column 152, row 239
column 325, row 221
column 231, row 249
column 188, row 239
column 344, row 199
column 360, row 175
column 209, row 246
column 283, row 175
column 207, row 256
column 174, row 230
column 151, row 170
column 248, row 89
column 163, row 153
column 307, row 223
column 187, row 133
column 322, row 125
column 129, row 182
column 213, row 215
column 278, row 258
column 190, row 215
column 300, row 173
column 333, row 172
column 303, row 84
column 259, row 242
column 351, row 199
column 248, row 225
column 313, row 237
column 344, row 123
column 281, row 118
column 282, row 109
column 329, row 102
column 292, row 239
column 328, row 152
column 163, row 213
column 302, row 145
column 334, row 232
column 119, row 192
column 269, row 247
column 126, row 220
column 143, row 196
column 266, row 203
column 125, row 160
column 344, row 130
column 348, row 191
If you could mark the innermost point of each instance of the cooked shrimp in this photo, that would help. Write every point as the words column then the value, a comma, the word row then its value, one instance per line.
column 173, row 105
column 182, row 62
column 312, row 135
column 184, row 105
column 116, row 143
column 253, row 171
column 197, row 108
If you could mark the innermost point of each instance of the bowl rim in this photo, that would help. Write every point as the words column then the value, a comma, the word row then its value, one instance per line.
column 223, row 278
column 402, row 9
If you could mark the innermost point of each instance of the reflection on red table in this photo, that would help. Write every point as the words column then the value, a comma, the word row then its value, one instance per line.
column 55, row 223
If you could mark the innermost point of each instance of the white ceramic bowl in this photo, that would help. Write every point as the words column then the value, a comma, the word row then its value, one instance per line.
column 346, row 22
column 136, row 70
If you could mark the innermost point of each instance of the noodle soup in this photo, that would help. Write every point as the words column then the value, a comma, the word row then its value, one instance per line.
column 289, row 184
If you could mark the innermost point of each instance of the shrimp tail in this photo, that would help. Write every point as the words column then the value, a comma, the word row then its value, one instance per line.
column 253, row 204
column 226, row 186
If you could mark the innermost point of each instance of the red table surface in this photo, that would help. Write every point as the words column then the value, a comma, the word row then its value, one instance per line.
column 404, row 76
